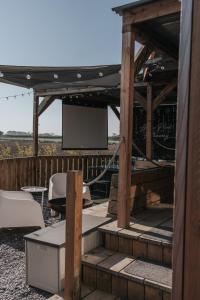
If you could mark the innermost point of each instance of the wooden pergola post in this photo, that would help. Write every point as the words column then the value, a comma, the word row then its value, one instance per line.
column 149, row 123
column 74, row 204
column 126, row 125
column 35, row 124
column 186, row 250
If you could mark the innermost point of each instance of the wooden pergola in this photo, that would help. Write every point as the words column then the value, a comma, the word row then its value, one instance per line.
column 156, row 25
column 98, row 84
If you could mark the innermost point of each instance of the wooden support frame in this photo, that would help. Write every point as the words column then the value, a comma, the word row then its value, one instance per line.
column 141, row 100
column 145, row 36
column 74, row 204
column 126, row 126
column 46, row 102
column 66, row 91
column 35, row 124
column 153, row 10
column 149, row 123
column 142, row 56
column 116, row 111
column 186, row 249
column 164, row 93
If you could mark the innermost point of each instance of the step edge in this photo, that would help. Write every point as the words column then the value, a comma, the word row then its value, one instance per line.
column 128, row 276
column 162, row 242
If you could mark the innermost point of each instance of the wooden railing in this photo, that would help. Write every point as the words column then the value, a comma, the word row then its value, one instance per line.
column 18, row 172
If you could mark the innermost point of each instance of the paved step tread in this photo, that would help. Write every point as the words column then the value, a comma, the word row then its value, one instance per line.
column 150, row 272
column 134, row 269
column 140, row 232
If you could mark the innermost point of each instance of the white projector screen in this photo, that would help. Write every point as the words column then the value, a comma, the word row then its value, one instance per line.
column 84, row 127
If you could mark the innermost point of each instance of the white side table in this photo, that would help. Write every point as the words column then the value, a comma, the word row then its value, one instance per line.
column 35, row 189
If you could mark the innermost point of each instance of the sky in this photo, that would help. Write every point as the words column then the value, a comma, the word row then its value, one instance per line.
column 54, row 33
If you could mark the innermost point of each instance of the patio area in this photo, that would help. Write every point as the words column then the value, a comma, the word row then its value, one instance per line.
column 153, row 224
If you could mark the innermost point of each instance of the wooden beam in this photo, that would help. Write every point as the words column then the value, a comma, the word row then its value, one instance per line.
column 146, row 70
column 139, row 98
column 146, row 36
column 164, row 93
column 151, row 11
column 66, row 91
column 115, row 110
column 149, row 123
column 46, row 102
column 126, row 127
column 141, row 57
column 74, row 202
column 186, row 248
column 35, row 124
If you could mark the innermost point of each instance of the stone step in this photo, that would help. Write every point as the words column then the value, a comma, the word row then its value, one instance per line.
column 140, row 240
column 125, row 276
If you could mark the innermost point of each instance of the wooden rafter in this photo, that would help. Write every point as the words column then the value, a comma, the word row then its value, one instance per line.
column 146, row 70
column 141, row 57
column 46, row 102
column 164, row 93
column 146, row 36
column 153, row 10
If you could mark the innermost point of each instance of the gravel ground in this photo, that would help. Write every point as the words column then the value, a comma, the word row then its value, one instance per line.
column 12, row 264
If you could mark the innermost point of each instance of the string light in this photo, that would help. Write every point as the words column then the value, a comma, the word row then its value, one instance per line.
column 55, row 76
column 16, row 96
column 100, row 74
column 28, row 76
column 1, row 74
column 79, row 75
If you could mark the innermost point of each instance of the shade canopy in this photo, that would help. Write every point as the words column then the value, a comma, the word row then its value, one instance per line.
column 43, row 78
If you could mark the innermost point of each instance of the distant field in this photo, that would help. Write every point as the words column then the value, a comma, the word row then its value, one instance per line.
column 29, row 138
column 21, row 146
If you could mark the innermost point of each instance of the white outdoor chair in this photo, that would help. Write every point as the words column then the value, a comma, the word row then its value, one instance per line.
column 57, row 187
column 19, row 209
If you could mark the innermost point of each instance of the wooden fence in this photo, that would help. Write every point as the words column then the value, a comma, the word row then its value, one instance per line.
column 18, row 172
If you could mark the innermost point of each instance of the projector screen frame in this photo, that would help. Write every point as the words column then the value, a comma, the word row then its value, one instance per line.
column 85, row 104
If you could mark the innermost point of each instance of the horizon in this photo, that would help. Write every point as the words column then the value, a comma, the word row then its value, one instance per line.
column 54, row 34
